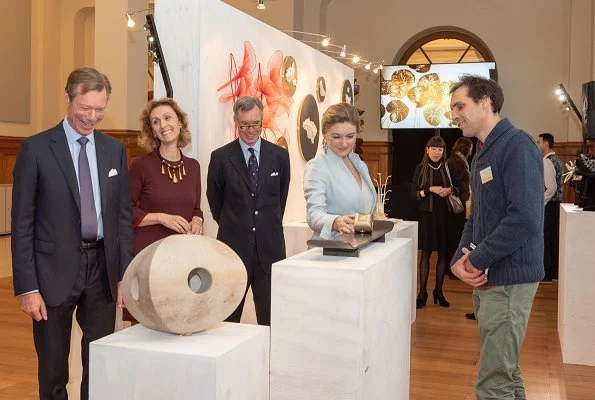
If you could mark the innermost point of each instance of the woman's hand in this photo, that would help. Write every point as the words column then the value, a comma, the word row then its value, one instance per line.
column 175, row 223
column 441, row 191
column 344, row 223
column 196, row 226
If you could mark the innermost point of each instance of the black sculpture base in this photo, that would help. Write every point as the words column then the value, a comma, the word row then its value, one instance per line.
column 349, row 245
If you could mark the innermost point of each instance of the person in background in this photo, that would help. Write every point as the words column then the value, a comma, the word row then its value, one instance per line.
column 552, row 173
column 165, row 185
column 336, row 182
column 501, row 251
column 430, row 188
column 247, row 187
column 71, row 231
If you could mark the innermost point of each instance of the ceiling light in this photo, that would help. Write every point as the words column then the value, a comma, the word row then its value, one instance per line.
column 368, row 66
column 343, row 51
column 129, row 20
column 558, row 92
column 562, row 97
column 261, row 5
column 375, row 70
column 326, row 41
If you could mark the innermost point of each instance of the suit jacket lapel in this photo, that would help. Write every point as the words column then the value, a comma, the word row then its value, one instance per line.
column 239, row 163
column 102, row 168
column 59, row 146
column 264, row 163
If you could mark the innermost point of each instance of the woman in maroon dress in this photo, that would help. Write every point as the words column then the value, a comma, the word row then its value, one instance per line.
column 164, row 184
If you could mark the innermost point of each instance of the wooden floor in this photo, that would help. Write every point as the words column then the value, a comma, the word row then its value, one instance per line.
column 444, row 351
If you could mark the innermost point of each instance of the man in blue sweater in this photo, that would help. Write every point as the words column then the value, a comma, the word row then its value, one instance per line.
column 501, row 250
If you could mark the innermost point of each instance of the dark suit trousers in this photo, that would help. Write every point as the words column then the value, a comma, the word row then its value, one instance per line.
column 260, row 280
column 95, row 314
column 551, row 233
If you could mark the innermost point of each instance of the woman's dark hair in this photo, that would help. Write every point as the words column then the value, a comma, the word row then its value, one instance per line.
column 435, row 141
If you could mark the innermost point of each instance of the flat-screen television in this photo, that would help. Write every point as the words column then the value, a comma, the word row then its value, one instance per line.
column 418, row 96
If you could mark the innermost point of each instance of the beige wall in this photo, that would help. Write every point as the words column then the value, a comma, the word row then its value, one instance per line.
column 537, row 44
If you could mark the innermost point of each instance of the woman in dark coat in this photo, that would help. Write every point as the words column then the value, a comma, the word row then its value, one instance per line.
column 430, row 188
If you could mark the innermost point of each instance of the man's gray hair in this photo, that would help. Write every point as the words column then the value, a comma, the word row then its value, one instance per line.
column 246, row 103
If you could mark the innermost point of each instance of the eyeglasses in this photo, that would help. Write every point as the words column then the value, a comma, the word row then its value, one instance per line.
column 248, row 126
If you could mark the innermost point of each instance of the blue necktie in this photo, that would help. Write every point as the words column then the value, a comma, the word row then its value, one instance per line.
column 88, row 213
column 253, row 168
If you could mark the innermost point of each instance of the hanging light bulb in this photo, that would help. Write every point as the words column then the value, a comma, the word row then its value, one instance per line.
column 261, row 5
column 368, row 66
column 343, row 51
column 130, row 21
column 326, row 41
column 355, row 59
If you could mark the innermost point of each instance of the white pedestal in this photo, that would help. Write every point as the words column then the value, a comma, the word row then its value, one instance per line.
column 297, row 233
column 576, row 318
column 230, row 361
column 408, row 230
column 340, row 325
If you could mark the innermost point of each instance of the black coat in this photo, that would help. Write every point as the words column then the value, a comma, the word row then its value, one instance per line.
column 250, row 221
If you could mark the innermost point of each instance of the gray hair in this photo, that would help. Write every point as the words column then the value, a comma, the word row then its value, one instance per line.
column 246, row 103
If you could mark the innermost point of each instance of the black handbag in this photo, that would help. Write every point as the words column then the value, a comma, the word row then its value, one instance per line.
column 455, row 205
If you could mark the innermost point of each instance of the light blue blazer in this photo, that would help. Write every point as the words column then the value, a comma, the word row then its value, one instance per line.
column 331, row 190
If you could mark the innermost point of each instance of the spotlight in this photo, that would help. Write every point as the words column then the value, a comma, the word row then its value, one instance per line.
column 343, row 51
column 381, row 66
column 562, row 97
column 355, row 59
column 558, row 92
column 368, row 66
column 375, row 70
column 129, row 20
column 151, row 38
column 326, row 41
column 261, row 5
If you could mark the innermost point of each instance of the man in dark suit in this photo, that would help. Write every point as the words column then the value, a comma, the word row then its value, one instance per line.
column 247, row 185
column 71, row 230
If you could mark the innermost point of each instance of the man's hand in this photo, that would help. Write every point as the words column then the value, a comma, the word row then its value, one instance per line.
column 120, row 300
column 465, row 271
column 33, row 305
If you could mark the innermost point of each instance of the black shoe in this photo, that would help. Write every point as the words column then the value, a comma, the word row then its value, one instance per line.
column 439, row 298
column 422, row 298
column 470, row 316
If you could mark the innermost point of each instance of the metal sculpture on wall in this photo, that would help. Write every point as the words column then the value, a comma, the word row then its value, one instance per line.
column 183, row 284
column 320, row 89
column 308, row 127
column 347, row 92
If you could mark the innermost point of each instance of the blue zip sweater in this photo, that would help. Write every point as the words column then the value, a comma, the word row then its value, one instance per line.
column 506, row 220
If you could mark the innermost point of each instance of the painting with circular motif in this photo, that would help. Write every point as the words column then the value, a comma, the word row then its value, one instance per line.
column 347, row 92
column 320, row 89
column 290, row 73
column 308, row 127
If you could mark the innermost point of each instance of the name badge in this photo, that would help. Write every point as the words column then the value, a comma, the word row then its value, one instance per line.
column 486, row 175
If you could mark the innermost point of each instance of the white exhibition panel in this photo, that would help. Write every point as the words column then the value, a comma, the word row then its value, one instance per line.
column 227, row 362
column 340, row 326
column 576, row 319
column 197, row 38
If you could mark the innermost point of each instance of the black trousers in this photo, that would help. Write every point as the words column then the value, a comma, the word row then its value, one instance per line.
column 551, row 239
column 96, row 314
column 260, row 280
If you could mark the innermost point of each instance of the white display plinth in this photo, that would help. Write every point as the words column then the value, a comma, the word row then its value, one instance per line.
column 408, row 230
column 297, row 233
column 340, row 325
column 576, row 319
column 230, row 361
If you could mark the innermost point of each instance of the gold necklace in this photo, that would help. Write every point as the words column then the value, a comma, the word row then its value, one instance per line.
column 173, row 169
